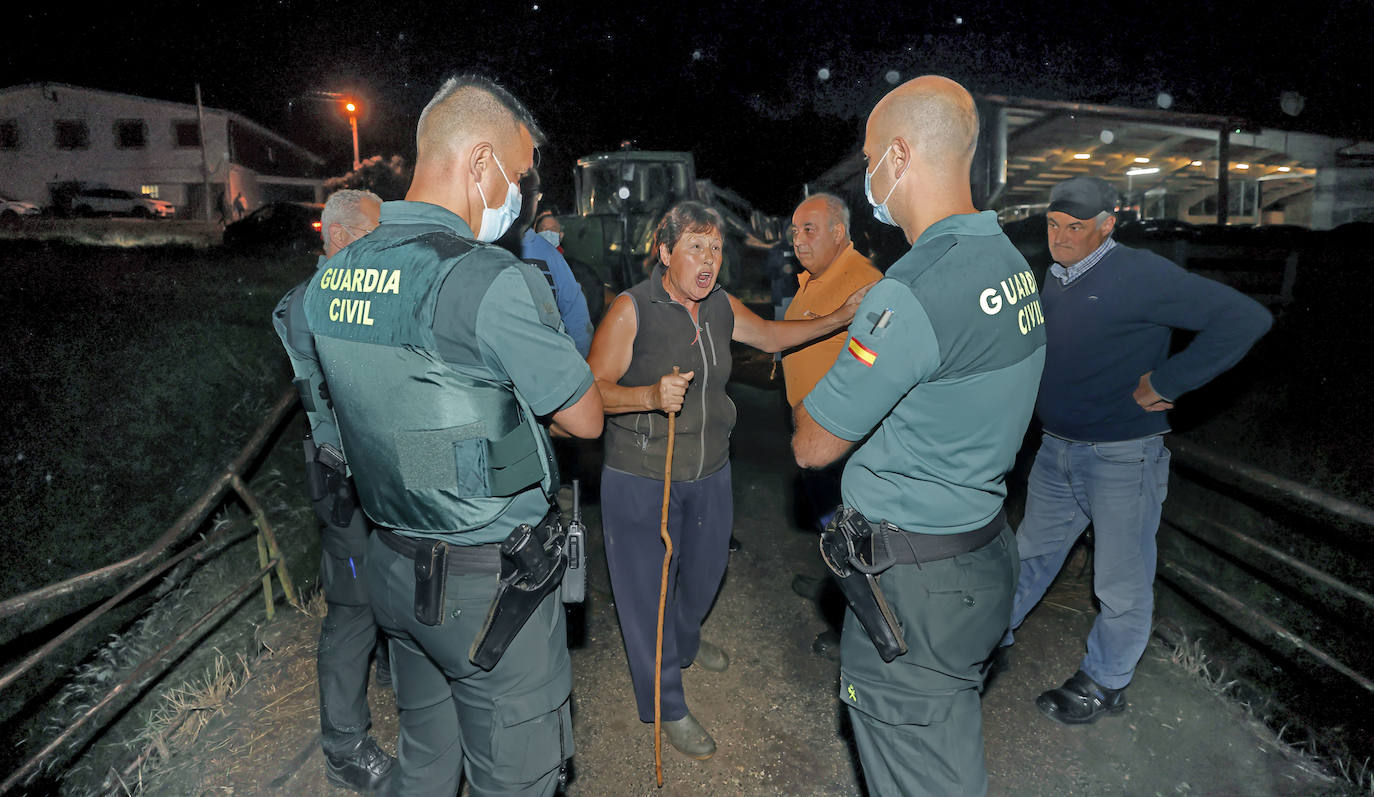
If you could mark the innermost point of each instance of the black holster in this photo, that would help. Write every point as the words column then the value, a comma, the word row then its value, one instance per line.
column 533, row 560
column 846, row 549
column 326, row 476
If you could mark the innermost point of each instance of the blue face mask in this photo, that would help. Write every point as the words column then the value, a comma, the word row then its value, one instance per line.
column 880, row 211
column 495, row 221
column 551, row 236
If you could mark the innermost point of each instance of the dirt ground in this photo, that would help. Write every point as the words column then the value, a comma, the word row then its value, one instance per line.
column 774, row 713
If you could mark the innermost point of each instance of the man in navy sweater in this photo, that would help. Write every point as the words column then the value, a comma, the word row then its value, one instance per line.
column 1109, row 312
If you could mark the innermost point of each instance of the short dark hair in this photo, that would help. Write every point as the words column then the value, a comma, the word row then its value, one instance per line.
column 498, row 94
column 685, row 217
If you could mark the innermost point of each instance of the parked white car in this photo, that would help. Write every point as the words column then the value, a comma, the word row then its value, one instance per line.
column 112, row 201
column 14, row 208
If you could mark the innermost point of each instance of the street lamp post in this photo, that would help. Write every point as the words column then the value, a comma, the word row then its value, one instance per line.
column 351, row 107
column 353, row 122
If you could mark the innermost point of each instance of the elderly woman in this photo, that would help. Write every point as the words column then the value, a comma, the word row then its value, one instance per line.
column 677, row 318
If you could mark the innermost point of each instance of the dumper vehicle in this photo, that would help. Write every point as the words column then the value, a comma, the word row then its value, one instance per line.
column 621, row 196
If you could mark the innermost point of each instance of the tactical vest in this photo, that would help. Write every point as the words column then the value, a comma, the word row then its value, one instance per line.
column 433, row 449
column 289, row 321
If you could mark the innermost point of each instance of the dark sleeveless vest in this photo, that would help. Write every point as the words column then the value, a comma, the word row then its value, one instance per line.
column 637, row 443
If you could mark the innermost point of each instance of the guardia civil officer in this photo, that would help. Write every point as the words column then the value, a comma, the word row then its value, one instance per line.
column 348, row 632
column 938, row 379
column 445, row 359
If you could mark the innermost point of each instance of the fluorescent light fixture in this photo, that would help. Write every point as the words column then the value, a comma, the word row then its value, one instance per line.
column 1138, row 172
column 1242, row 165
column 1142, row 160
column 1285, row 168
column 1195, row 163
column 1082, row 156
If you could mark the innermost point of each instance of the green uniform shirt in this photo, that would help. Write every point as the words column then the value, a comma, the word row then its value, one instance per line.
column 941, row 367
column 494, row 320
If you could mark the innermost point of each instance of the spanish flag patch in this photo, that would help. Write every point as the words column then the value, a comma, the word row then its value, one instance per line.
column 862, row 353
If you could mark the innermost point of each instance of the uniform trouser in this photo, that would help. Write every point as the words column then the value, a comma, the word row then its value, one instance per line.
column 348, row 632
column 508, row 730
column 700, row 515
column 1120, row 488
column 917, row 720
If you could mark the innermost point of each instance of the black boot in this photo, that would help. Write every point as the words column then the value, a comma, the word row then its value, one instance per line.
column 366, row 769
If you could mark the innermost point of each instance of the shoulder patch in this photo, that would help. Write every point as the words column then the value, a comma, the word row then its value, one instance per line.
column 862, row 353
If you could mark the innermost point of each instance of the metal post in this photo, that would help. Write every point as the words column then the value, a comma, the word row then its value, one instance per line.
column 1224, row 175
column 204, row 156
column 353, row 121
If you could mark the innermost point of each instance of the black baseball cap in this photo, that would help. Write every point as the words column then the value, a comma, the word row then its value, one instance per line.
column 1083, row 197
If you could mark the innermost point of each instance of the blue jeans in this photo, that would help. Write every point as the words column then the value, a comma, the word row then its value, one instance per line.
column 1119, row 488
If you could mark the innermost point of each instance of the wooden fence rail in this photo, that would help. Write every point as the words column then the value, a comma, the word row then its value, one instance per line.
column 155, row 560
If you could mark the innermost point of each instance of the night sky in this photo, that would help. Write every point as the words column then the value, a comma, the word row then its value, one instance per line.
column 737, row 83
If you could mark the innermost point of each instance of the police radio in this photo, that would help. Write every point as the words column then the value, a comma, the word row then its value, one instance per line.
column 575, row 579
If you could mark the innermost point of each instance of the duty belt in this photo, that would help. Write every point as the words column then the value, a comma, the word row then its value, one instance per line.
column 463, row 560
column 856, row 554
column 892, row 546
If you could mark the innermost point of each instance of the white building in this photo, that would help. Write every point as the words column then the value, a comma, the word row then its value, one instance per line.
column 53, row 136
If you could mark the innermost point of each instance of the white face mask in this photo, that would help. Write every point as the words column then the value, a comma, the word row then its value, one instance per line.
column 880, row 210
column 551, row 236
column 495, row 221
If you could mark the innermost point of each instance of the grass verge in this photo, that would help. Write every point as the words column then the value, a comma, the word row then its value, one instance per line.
column 1190, row 654
column 136, row 375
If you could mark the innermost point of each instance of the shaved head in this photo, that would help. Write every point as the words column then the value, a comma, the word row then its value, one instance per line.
column 470, row 108
column 934, row 114
column 919, row 146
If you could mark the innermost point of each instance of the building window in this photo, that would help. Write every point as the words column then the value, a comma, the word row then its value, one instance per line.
column 131, row 134
column 9, row 134
column 148, row 190
column 186, row 133
column 71, row 134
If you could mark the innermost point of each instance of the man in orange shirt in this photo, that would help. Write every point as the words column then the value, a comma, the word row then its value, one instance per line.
column 833, row 270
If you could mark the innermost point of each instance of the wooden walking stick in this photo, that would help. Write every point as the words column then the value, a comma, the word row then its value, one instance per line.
column 663, row 596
